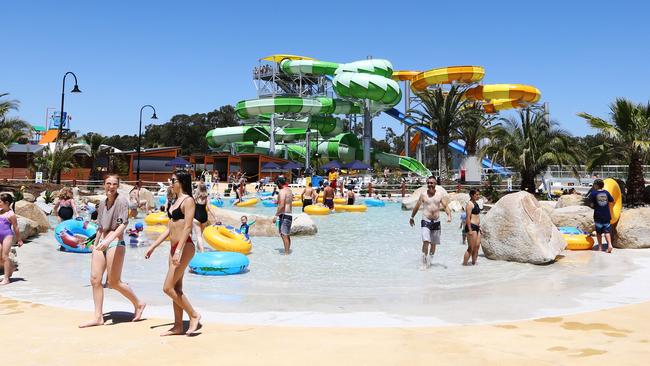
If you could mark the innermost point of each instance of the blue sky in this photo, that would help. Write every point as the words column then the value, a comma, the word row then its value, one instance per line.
column 194, row 56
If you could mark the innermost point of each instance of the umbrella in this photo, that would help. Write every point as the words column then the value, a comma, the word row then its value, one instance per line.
column 177, row 161
column 357, row 165
column 331, row 165
column 292, row 165
column 271, row 166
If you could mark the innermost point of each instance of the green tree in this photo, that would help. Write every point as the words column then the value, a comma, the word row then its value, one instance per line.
column 443, row 111
column 12, row 129
column 530, row 144
column 629, row 131
column 94, row 141
column 475, row 126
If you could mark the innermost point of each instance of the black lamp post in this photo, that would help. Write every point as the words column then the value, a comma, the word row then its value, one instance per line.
column 61, row 121
column 140, row 136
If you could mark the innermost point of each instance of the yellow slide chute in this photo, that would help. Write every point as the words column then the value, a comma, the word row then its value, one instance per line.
column 447, row 75
column 504, row 96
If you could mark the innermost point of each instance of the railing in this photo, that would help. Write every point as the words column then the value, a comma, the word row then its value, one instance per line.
column 89, row 185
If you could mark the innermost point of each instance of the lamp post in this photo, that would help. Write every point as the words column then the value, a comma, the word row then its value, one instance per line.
column 61, row 120
column 140, row 136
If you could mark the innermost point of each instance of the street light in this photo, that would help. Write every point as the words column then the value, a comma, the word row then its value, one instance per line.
column 140, row 136
column 61, row 121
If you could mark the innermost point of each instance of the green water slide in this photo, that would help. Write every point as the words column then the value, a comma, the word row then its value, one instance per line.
column 403, row 162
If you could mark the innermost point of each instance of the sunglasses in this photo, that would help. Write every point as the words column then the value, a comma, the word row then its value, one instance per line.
column 173, row 180
column 431, row 183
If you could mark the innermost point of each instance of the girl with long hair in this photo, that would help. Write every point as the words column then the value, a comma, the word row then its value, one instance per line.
column 472, row 227
column 179, row 230
column 65, row 207
column 8, row 231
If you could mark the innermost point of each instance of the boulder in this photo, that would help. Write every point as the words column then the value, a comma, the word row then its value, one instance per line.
column 548, row 206
column 146, row 195
column 264, row 226
column 581, row 217
column 34, row 213
column 95, row 199
column 28, row 228
column 633, row 229
column 12, row 258
column 571, row 200
column 518, row 229
column 409, row 202
column 28, row 197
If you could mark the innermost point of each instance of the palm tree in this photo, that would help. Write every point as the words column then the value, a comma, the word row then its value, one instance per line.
column 443, row 111
column 476, row 126
column 12, row 129
column 629, row 131
column 530, row 144
column 94, row 141
column 62, row 157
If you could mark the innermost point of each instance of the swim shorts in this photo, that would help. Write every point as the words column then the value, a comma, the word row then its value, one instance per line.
column 284, row 224
column 431, row 231
column 603, row 228
column 329, row 202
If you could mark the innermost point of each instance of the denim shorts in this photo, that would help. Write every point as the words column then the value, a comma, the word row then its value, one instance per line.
column 603, row 228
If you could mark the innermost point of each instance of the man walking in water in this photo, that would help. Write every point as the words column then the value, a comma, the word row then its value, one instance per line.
column 328, row 195
column 308, row 196
column 283, row 213
column 433, row 199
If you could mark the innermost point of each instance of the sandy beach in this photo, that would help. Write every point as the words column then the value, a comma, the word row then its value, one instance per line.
column 44, row 335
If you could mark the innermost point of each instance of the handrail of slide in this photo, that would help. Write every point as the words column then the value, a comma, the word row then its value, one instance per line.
column 487, row 163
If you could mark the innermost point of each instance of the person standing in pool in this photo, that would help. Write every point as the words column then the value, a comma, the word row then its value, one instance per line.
column 472, row 227
column 283, row 215
column 109, row 250
column 8, row 231
column 308, row 196
column 65, row 208
column 600, row 199
column 179, row 230
column 432, row 200
column 201, row 212
column 350, row 196
column 328, row 195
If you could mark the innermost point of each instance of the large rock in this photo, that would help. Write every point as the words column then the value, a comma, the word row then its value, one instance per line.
column 548, row 206
column 12, row 258
column 95, row 199
column 578, row 216
column 28, row 228
column 518, row 229
column 29, row 197
column 264, row 226
column 34, row 213
column 571, row 200
column 633, row 229
column 409, row 202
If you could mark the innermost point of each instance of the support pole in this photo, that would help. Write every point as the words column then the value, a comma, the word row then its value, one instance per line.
column 272, row 136
column 367, row 132
column 407, row 107
column 307, row 149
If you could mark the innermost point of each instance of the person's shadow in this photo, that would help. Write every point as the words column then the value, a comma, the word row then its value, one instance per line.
column 118, row 317
column 186, row 325
column 15, row 279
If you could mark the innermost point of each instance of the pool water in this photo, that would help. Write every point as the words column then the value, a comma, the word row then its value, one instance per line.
column 361, row 269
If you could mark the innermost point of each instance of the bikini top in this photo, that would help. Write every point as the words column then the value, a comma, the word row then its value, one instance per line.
column 177, row 214
column 476, row 210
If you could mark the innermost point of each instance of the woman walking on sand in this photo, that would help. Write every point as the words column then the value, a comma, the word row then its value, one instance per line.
column 8, row 230
column 109, row 250
column 179, row 230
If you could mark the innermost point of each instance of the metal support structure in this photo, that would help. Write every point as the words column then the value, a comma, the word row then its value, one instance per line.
column 307, row 149
column 140, row 136
column 367, row 132
column 407, row 107
column 61, row 121
column 272, row 135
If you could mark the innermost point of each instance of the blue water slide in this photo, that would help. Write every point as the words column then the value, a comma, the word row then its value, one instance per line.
column 487, row 163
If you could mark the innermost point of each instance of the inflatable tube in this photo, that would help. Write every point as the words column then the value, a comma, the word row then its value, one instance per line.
column 337, row 200
column 218, row 263
column 576, row 239
column 226, row 239
column 373, row 202
column 353, row 208
column 269, row 203
column 152, row 232
column 156, row 218
column 265, row 194
column 65, row 234
column 296, row 204
column 339, row 208
column 248, row 203
column 217, row 202
column 615, row 208
column 317, row 210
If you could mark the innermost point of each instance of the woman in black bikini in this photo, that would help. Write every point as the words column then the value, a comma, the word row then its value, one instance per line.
column 472, row 227
column 179, row 230
column 201, row 212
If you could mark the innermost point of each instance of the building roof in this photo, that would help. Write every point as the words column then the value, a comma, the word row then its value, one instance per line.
column 24, row 148
column 151, row 149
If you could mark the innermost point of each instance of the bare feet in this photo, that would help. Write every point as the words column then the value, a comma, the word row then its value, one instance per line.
column 92, row 323
column 138, row 312
column 5, row 282
column 609, row 249
column 175, row 330
column 194, row 324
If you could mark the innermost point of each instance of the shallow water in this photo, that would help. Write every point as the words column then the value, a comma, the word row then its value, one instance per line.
column 361, row 269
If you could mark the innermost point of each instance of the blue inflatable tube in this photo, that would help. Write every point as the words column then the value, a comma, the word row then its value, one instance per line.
column 269, row 203
column 373, row 202
column 265, row 194
column 218, row 263
column 64, row 234
column 216, row 202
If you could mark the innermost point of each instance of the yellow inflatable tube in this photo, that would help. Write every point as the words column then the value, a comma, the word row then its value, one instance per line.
column 338, row 201
column 615, row 207
column 317, row 210
column 247, row 203
column 353, row 208
column 578, row 242
column 156, row 218
column 152, row 232
column 222, row 239
column 296, row 204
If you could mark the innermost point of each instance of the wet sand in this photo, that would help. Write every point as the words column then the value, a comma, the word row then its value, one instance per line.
column 43, row 335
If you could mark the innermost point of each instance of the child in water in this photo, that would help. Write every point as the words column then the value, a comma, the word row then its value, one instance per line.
column 245, row 226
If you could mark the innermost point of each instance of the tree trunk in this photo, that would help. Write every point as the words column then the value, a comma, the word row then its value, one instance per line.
column 442, row 159
column 527, row 182
column 635, row 181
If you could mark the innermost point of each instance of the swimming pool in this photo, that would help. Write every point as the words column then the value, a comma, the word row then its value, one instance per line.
column 361, row 269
